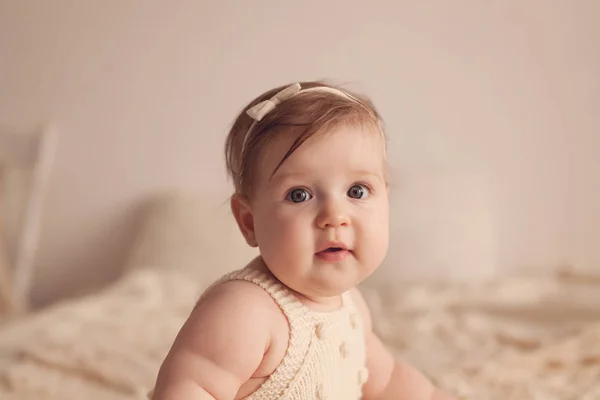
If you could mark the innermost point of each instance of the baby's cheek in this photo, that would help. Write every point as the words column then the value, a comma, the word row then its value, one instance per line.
column 284, row 233
column 377, row 239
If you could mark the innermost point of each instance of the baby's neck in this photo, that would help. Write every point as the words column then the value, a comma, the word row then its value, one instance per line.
column 314, row 303
column 323, row 304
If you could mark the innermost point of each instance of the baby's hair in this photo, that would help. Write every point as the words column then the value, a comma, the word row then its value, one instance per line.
column 314, row 107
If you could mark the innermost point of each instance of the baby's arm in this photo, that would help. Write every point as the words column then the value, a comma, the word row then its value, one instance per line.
column 389, row 378
column 219, row 347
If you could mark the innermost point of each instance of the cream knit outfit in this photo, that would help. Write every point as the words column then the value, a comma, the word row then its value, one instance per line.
column 325, row 358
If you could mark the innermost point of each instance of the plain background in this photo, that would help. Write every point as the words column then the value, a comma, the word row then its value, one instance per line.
column 492, row 111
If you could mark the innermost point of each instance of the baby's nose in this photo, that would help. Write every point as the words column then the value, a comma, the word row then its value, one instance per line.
column 332, row 215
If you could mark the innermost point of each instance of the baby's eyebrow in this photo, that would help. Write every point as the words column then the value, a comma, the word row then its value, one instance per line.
column 282, row 176
column 364, row 172
column 368, row 173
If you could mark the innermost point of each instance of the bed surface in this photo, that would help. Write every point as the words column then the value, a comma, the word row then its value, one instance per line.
column 519, row 338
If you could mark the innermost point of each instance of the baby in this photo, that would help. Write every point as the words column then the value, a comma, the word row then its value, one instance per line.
column 309, row 167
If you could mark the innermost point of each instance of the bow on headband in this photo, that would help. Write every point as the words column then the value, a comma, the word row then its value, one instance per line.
column 261, row 109
column 258, row 111
column 264, row 107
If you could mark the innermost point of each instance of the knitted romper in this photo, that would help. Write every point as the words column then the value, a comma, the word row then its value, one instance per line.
column 325, row 358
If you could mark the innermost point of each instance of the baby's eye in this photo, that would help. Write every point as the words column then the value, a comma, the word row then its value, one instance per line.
column 298, row 195
column 358, row 192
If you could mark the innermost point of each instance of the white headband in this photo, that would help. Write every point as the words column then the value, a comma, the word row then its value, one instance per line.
column 258, row 111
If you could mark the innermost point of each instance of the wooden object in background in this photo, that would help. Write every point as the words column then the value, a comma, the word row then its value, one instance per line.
column 33, row 154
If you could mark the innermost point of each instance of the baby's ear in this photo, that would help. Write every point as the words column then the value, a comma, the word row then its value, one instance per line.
column 242, row 211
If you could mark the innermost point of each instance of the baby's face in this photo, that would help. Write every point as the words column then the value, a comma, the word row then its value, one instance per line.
column 321, row 221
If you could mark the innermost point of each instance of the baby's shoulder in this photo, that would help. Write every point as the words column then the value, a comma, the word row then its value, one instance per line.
column 240, row 307
column 226, row 337
column 236, row 298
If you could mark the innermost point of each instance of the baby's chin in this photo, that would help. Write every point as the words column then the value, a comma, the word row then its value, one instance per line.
column 333, row 286
column 323, row 280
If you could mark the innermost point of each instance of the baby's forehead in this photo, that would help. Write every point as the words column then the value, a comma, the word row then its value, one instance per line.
column 350, row 141
column 342, row 151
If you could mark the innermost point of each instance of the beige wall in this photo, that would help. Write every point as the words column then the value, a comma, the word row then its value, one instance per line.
column 493, row 113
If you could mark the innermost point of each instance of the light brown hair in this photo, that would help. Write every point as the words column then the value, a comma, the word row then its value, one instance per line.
column 313, row 112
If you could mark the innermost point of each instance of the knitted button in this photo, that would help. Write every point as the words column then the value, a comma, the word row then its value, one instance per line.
column 363, row 375
column 354, row 320
column 321, row 331
column 344, row 350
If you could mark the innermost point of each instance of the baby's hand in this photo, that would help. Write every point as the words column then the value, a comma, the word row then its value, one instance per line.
column 219, row 347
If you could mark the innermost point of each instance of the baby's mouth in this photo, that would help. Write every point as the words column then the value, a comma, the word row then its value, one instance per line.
column 333, row 249
column 333, row 254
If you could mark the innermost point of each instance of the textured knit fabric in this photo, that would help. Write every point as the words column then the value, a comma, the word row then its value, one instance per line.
column 325, row 358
